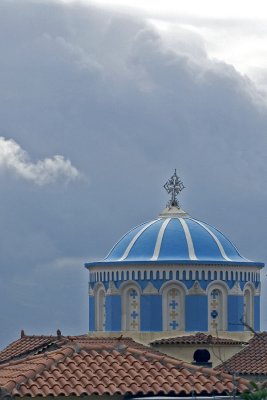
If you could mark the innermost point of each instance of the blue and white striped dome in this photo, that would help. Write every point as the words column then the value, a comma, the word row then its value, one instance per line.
column 174, row 237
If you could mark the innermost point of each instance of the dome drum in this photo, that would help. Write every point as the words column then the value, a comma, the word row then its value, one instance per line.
column 183, row 293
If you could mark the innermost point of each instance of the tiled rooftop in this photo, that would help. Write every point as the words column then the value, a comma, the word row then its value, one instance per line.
column 88, row 366
column 36, row 344
column 252, row 360
column 198, row 338
column 28, row 345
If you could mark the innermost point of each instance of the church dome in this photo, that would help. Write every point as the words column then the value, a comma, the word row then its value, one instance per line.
column 175, row 237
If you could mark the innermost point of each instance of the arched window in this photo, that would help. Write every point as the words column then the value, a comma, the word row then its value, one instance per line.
column 131, row 308
column 217, row 297
column 100, row 308
column 173, row 307
column 202, row 357
column 248, row 307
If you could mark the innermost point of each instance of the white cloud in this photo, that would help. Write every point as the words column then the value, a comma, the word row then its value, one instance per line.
column 16, row 160
column 235, row 33
column 172, row 8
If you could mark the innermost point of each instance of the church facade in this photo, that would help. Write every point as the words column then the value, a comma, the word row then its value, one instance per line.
column 172, row 275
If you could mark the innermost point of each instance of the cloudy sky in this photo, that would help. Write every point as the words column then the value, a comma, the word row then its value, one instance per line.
column 98, row 104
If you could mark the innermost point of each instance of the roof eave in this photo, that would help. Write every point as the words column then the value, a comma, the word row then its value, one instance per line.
column 176, row 262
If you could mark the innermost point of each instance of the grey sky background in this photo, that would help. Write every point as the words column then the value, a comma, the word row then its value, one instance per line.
column 96, row 110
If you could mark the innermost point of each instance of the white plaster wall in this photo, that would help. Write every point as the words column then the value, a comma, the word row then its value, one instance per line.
column 218, row 353
column 147, row 337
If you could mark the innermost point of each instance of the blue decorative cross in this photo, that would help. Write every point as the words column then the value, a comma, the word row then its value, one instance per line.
column 214, row 293
column 173, row 325
column 133, row 293
column 173, row 304
column 134, row 314
column 214, row 314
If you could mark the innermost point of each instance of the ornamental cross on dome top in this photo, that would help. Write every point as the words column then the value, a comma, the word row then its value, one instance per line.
column 174, row 185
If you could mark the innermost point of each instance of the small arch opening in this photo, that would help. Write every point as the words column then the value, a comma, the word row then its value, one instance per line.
column 100, row 308
column 202, row 357
column 248, row 308
column 217, row 298
column 131, row 307
column 173, row 307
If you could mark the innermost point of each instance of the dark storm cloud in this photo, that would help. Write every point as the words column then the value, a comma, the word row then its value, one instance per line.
column 104, row 91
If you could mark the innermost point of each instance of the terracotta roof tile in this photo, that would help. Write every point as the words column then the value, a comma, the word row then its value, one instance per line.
column 27, row 345
column 251, row 360
column 37, row 344
column 96, row 366
column 198, row 338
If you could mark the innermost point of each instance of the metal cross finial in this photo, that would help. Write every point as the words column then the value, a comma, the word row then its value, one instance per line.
column 174, row 185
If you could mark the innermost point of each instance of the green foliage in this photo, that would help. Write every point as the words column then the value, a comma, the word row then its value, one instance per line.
column 255, row 393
